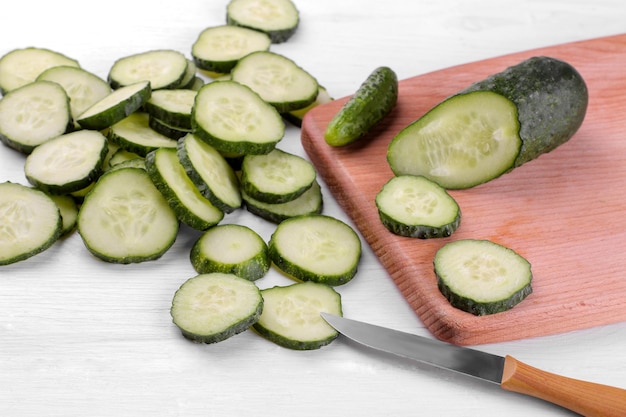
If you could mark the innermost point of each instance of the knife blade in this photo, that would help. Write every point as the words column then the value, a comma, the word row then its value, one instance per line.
column 586, row 398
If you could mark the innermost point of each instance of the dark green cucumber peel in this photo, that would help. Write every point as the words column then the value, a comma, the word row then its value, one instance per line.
column 551, row 99
column 482, row 309
column 374, row 99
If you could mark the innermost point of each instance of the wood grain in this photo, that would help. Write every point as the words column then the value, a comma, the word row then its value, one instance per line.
column 565, row 211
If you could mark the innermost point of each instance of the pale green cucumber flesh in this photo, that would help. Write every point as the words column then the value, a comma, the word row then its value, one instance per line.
column 276, row 177
column 464, row 141
column 210, row 308
column 33, row 114
column 291, row 315
column 170, row 178
column 374, row 99
column 231, row 248
column 83, row 88
column 482, row 277
column 162, row 68
column 311, row 202
column 414, row 206
column 22, row 66
column 30, row 222
column 219, row 48
column 316, row 248
column 277, row 79
column 125, row 219
column 67, row 163
column 234, row 119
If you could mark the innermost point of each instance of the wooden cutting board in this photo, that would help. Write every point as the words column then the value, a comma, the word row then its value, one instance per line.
column 565, row 211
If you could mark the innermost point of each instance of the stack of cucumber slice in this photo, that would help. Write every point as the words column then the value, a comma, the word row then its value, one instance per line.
column 126, row 159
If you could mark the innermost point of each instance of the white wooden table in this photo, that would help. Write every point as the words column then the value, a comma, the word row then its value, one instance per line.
column 80, row 337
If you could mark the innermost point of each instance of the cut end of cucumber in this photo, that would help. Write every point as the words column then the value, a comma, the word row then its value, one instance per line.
column 465, row 141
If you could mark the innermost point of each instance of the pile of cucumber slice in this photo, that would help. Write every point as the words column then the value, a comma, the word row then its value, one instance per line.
column 166, row 140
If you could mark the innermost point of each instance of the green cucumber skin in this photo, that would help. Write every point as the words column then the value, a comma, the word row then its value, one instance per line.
column 374, row 99
column 482, row 309
column 182, row 213
column 419, row 231
column 253, row 269
column 551, row 98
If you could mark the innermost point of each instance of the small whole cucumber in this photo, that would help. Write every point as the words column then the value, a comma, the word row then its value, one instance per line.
column 493, row 126
column 373, row 100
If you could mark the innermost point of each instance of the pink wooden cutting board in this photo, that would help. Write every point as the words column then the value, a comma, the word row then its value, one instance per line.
column 565, row 211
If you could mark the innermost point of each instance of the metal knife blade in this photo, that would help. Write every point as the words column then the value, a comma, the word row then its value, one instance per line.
column 586, row 398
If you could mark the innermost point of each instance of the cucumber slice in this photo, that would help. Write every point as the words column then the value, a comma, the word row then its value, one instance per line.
column 166, row 130
column 234, row 119
column 125, row 219
column 120, row 156
column 134, row 134
column 22, row 66
column 170, row 178
column 189, row 79
column 277, row 79
column 210, row 308
column 316, row 248
column 210, row 172
column 116, row 106
column 163, row 68
column 173, row 107
column 233, row 249
column 279, row 19
column 67, row 163
column 83, row 88
column 414, row 206
column 464, row 141
column 374, row 100
column 276, row 177
column 32, row 114
column 69, row 212
column 295, row 116
column 29, row 222
column 482, row 277
column 218, row 48
column 291, row 315
column 311, row 202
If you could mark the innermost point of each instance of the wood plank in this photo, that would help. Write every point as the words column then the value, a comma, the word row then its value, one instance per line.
column 563, row 211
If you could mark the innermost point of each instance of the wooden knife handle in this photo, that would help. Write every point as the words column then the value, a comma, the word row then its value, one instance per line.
column 585, row 398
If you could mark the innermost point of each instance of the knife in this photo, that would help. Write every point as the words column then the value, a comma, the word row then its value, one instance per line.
column 586, row 398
